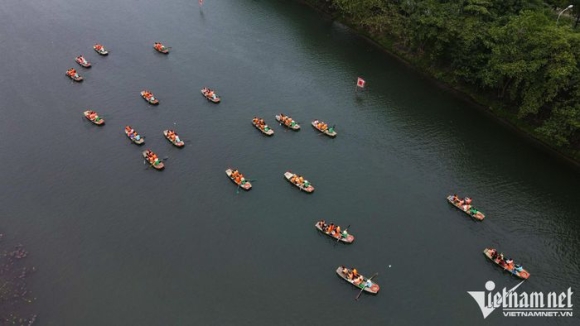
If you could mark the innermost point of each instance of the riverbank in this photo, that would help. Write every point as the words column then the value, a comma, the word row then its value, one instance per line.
column 441, row 76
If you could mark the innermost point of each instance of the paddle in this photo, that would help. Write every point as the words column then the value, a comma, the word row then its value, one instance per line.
column 238, row 189
column 364, row 286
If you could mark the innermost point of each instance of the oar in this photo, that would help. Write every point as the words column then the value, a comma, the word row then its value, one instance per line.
column 238, row 189
column 364, row 286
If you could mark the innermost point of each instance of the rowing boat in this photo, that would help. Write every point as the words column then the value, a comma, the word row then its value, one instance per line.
column 72, row 74
column 262, row 127
column 83, row 62
column 100, row 49
column 160, row 48
column 519, row 272
column 303, row 185
column 287, row 122
column 158, row 165
column 148, row 96
column 348, row 239
column 95, row 119
column 369, row 286
column 135, row 137
column 467, row 209
column 243, row 183
column 176, row 141
column 205, row 92
column 323, row 128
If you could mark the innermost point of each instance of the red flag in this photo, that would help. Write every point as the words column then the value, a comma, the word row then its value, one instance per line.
column 200, row 2
column 360, row 82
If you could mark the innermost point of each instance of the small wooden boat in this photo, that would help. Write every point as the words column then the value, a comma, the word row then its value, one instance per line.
column 467, row 209
column 100, row 49
column 175, row 141
column 93, row 117
column 160, row 48
column 134, row 136
column 210, row 95
column 323, row 128
column 157, row 164
column 242, row 183
column 298, row 182
column 262, row 126
column 287, row 121
column 148, row 96
column 368, row 285
column 348, row 239
column 511, row 267
column 72, row 74
column 82, row 61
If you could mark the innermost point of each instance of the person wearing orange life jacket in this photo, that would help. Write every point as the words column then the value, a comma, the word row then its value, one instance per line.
column 331, row 228
column 337, row 231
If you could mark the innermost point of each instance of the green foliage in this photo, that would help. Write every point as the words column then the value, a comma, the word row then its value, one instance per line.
column 511, row 48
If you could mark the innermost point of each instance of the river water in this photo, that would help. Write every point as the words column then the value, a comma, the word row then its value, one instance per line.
column 117, row 243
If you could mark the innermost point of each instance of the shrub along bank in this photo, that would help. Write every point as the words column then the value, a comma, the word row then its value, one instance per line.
column 512, row 56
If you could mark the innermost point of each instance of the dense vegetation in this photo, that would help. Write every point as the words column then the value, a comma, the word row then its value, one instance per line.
column 511, row 55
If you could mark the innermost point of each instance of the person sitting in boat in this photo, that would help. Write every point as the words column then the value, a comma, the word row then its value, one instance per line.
column 98, row 47
column 353, row 274
column 349, row 275
column 344, row 234
column 455, row 198
column 331, row 228
column 518, row 268
column 467, row 200
column 337, row 231
column 344, row 270
column 322, row 224
column 358, row 280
